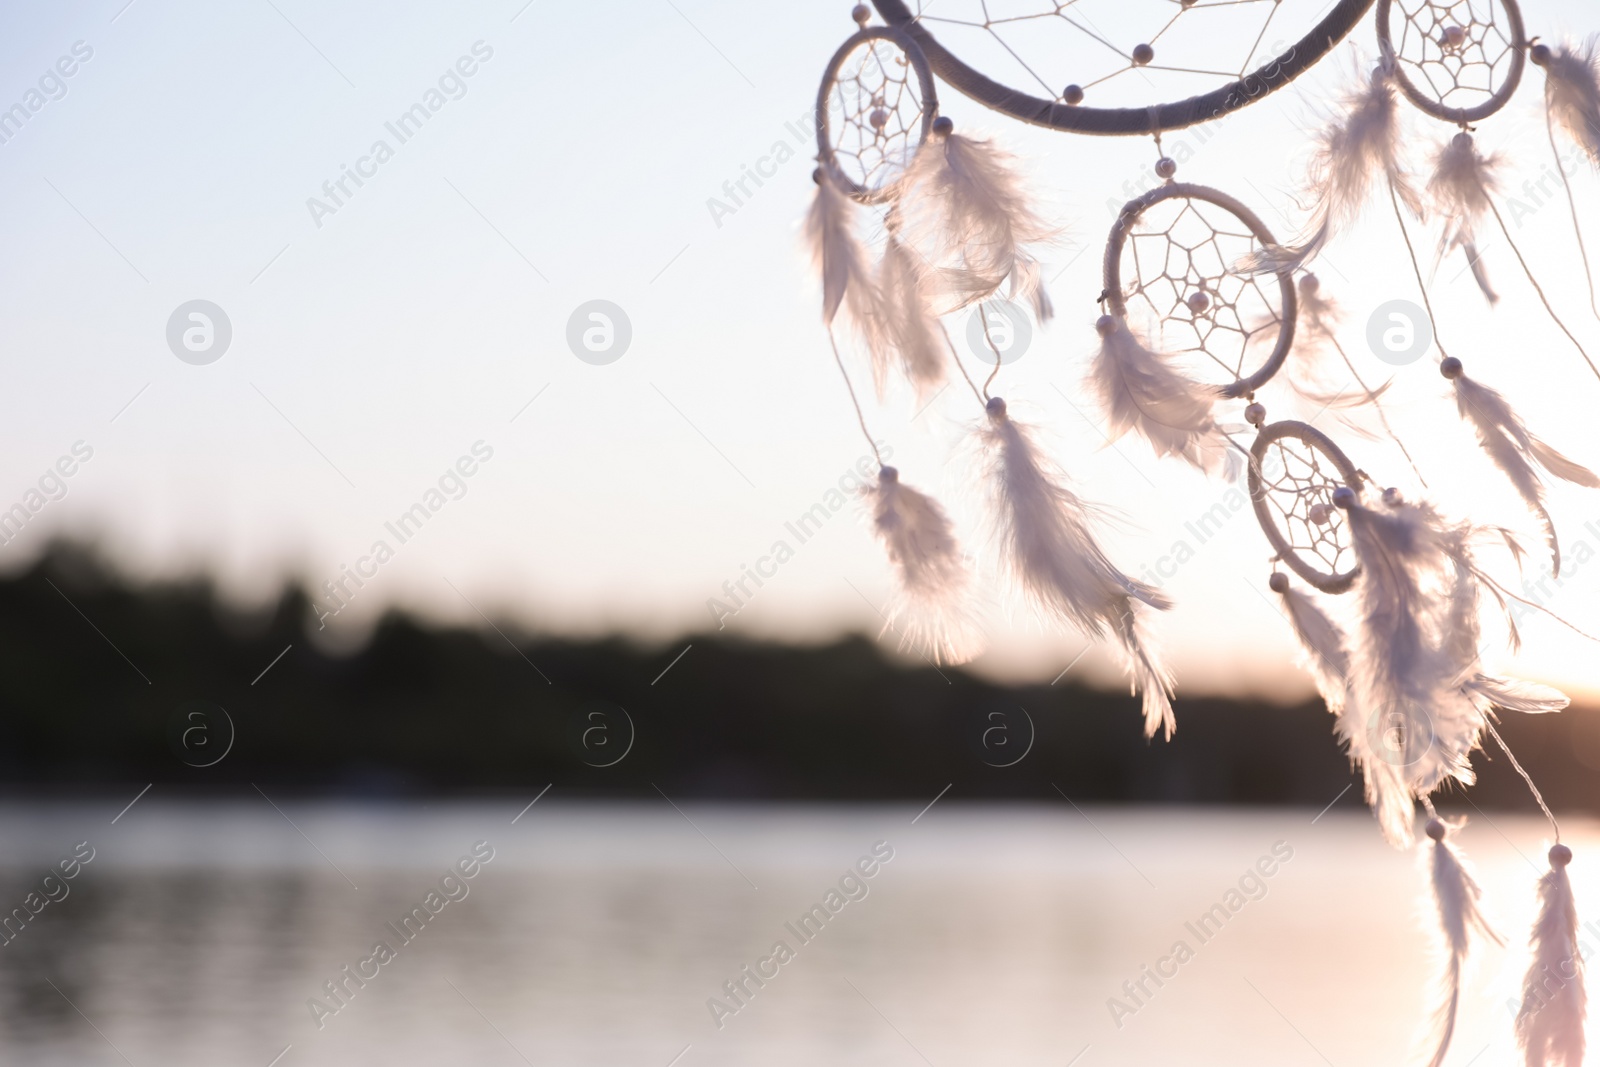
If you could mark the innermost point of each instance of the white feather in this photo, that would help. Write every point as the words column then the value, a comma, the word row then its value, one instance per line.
column 1364, row 144
column 1049, row 549
column 1328, row 658
column 1462, row 635
column 966, row 209
column 1550, row 1022
column 1139, row 390
column 1511, row 694
column 1026, row 283
column 1560, row 465
column 1320, row 314
column 1323, row 643
column 932, row 608
column 847, row 281
column 1514, row 450
column 1418, row 614
column 909, row 325
column 1416, row 664
column 1572, row 92
column 1306, row 374
column 1463, row 178
column 1460, row 920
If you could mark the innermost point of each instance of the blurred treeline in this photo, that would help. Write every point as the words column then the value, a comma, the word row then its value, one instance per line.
column 428, row 710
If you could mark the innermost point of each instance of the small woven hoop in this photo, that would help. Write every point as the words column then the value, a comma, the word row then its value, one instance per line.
column 1134, row 209
column 1327, row 580
column 930, row 105
column 1460, row 116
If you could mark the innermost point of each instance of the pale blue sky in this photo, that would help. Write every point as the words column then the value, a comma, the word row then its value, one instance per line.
column 373, row 351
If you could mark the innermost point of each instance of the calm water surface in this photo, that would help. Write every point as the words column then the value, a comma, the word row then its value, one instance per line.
column 597, row 934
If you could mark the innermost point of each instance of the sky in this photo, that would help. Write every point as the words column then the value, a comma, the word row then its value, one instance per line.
column 405, row 340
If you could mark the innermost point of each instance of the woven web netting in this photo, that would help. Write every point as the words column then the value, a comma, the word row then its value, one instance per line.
column 1458, row 52
column 1041, row 47
column 1298, row 481
column 1183, row 292
column 875, row 114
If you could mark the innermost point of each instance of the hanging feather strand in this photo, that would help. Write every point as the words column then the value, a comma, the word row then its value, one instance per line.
column 1514, row 450
column 1460, row 186
column 1328, row 659
column 1322, row 641
column 966, row 209
column 1416, row 666
column 1050, row 550
column 1461, row 635
column 1318, row 323
column 931, row 610
column 1572, row 90
column 1407, row 663
column 1457, row 894
column 1139, row 390
column 1550, row 1022
column 908, row 325
column 1305, row 374
column 1350, row 152
column 847, row 280
column 1540, row 54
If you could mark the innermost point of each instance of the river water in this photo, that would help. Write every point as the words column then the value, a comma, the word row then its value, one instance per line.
column 208, row 934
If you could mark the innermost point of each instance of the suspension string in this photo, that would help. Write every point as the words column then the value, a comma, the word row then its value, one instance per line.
column 1536, row 288
column 892, row 223
column 1417, row 270
column 1427, row 806
column 854, row 402
column 984, row 318
column 1539, row 607
column 1247, row 453
column 1572, row 204
column 956, row 359
column 1537, row 796
column 1372, row 398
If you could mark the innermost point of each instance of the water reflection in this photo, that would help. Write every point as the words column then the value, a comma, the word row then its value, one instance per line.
column 597, row 935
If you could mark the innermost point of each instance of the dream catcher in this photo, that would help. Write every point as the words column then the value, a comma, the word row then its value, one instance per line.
column 1410, row 698
column 956, row 227
column 1202, row 307
column 1460, row 63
